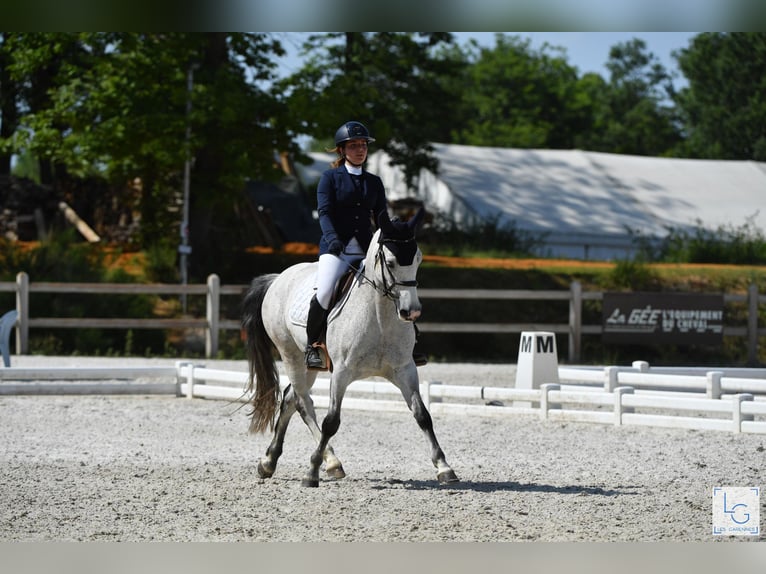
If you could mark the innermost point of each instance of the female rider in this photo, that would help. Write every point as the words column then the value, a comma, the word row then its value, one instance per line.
column 349, row 199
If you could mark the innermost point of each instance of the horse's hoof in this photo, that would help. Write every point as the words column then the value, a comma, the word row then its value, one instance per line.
column 263, row 472
column 447, row 477
column 336, row 472
column 310, row 482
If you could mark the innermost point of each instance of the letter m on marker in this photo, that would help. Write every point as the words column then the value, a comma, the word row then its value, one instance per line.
column 545, row 344
column 526, row 344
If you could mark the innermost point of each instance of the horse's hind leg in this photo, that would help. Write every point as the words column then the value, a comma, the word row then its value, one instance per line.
column 330, row 426
column 333, row 466
column 268, row 463
column 291, row 402
column 302, row 381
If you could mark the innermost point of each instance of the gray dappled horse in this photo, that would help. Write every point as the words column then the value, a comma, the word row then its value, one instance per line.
column 369, row 333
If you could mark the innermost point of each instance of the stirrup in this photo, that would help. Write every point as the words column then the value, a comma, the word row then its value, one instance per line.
column 314, row 359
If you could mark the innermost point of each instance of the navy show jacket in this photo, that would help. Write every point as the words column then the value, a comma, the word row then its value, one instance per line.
column 345, row 211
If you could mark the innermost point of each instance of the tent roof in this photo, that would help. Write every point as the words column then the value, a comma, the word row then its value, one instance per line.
column 572, row 189
column 577, row 196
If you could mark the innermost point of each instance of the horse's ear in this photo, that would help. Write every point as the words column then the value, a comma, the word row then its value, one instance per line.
column 384, row 223
column 417, row 219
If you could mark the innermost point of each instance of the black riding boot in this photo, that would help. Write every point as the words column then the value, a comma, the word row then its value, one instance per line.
column 314, row 325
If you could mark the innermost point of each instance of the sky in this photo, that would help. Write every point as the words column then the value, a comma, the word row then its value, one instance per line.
column 587, row 51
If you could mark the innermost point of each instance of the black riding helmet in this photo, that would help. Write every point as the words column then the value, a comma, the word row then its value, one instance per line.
column 352, row 131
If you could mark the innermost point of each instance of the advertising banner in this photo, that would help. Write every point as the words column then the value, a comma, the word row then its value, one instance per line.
column 677, row 318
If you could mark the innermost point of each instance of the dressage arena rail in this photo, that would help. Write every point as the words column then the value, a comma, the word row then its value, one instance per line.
column 213, row 323
column 684, row 398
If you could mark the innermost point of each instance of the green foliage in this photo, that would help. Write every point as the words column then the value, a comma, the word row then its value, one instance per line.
column 743, row 245
column 397, row 84
column 63, row 259
column 162, row 262
column 513, row 96
column 633, row 275
column 27, row 167
column 135, row 106
column 489, row 238
column 632, row 111
column 723, row 107
column 60, row 258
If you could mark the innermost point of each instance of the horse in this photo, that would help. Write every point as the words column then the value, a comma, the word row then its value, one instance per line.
column 370, row 332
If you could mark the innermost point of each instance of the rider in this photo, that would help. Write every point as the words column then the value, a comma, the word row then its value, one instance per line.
column 349, row 199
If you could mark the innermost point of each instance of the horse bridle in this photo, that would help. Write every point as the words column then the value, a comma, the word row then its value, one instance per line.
column 387, row 289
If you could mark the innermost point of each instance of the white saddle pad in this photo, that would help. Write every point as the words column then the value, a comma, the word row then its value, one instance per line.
column 299, row 306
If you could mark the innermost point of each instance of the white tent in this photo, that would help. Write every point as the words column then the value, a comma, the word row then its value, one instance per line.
column 581, row 204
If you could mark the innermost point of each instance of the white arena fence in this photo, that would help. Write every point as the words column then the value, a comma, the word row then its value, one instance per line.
column 731, row 400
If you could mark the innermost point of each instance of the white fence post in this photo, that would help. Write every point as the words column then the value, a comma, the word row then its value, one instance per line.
column 736, row 416
column 610, row 379
column 425, row 393
column 713, row 387
column 618, row 408
column 544, row 402
column 641, row 366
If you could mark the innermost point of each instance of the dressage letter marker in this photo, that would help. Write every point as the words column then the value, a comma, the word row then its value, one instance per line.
column 537, row 362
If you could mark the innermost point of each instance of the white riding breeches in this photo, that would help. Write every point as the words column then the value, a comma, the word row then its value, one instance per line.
column 332, row 267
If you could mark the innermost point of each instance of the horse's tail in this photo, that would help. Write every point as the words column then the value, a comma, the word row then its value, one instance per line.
column 264, row 375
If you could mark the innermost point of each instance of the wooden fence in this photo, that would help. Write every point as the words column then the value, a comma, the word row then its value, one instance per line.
column 212, row 323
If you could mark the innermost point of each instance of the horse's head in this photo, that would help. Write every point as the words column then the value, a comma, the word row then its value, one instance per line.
column 398, row 258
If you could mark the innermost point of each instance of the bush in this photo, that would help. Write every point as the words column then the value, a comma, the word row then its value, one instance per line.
column 634, row 275
column 488, row 238
column 743, row 245
column 62, row 259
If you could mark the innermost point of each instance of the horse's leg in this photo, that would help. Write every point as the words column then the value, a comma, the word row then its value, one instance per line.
column 333, row 466
column 268, row 464
column 330, row 425
column 409, row 386
column 303, row 380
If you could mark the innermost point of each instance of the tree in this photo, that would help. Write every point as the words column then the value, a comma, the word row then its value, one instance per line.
column 514, row 96
column 723, row 107
column 114, row 106
column 392, row 82
column 29, row 67
column 9, row 116
column 633, row 112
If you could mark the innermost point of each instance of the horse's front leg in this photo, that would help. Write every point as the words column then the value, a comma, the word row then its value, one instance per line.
column 408, row 384
column 338, row 384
